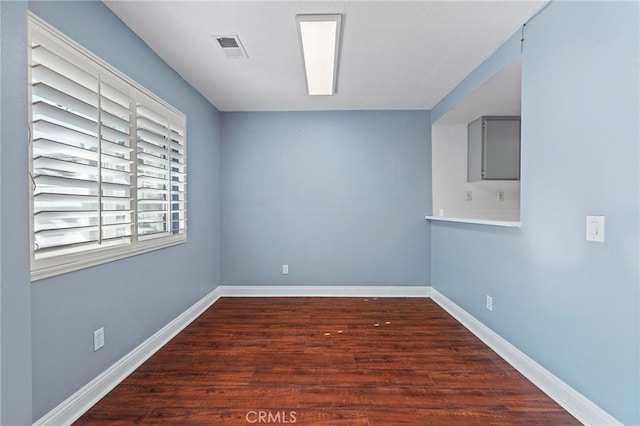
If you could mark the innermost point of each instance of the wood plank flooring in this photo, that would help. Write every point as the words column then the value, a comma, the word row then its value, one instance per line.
column 326, row 361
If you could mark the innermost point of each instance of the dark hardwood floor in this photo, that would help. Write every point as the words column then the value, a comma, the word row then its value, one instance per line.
column 326, row 361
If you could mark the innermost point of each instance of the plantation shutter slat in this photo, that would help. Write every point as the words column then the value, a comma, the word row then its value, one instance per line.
column 56, row 202
column 51, row 94
column 60, row 60
column 65, row 118
column 71, row 167
column 41, row 73
column 155, row 141
column 63, row 185
column 114, row 107
column 151, row 124
column 58, row 133
column 61, row 220
column 62, row 238
column 116, row 149
column 115, row 136
column 61, row 150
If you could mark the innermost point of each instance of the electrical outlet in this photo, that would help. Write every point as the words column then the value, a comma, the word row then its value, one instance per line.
column 468, row 196
column 489, row 303
column 98, row 339
column 500, row 196
column 285, row 269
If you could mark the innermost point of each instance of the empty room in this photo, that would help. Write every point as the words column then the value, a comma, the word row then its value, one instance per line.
column 341, row 212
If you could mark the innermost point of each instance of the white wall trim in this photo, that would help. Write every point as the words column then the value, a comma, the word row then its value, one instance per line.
column 80, row 402
column 568, row 398
column 571, row 400
column 325, row 291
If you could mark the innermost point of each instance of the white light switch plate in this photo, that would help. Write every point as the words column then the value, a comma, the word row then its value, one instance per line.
column 595, row 228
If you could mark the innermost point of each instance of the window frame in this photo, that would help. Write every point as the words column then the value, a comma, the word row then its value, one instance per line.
column 55, row 264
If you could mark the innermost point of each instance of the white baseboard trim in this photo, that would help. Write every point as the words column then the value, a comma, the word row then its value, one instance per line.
column 325, row 291
column 80, row 402
column 571, row 400
column 568, row 398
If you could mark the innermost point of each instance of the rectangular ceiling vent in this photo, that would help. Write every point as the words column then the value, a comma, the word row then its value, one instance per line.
column 231, row 46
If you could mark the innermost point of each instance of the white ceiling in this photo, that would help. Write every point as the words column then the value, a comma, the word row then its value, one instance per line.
column 500, row 95
column 395, row 54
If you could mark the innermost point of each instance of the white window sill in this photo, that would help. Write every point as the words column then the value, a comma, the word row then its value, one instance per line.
column 503, row 223
column 47, row 268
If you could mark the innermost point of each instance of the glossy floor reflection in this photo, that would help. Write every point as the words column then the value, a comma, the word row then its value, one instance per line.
column 326, row 361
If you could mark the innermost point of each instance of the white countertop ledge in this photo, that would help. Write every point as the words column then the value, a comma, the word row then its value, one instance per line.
column 504, row 223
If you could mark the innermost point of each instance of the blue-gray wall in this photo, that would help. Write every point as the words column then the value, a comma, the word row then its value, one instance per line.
column 131, row 298
column 338, row 196
column 570, row 304
column 15, row 306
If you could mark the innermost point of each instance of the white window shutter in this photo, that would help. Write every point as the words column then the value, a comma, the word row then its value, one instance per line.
column 108, row 160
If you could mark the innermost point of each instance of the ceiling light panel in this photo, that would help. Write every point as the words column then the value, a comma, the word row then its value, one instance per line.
column 319, row 37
